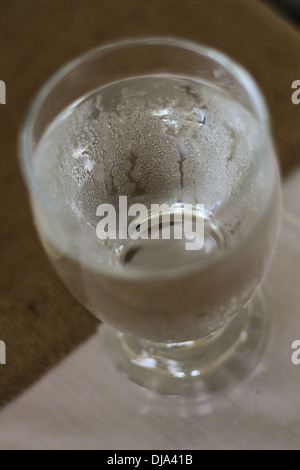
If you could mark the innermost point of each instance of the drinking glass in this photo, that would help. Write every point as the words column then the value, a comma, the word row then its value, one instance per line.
column 182, row 130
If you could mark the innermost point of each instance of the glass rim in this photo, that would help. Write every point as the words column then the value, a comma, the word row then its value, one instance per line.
column 239, row 72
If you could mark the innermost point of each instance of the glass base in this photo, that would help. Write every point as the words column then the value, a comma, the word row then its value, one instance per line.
column 193, row 368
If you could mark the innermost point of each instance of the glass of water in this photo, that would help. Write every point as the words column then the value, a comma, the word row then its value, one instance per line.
column 155, row 191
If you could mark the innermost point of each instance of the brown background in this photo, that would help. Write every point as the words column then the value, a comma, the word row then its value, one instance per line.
column 39, row 320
